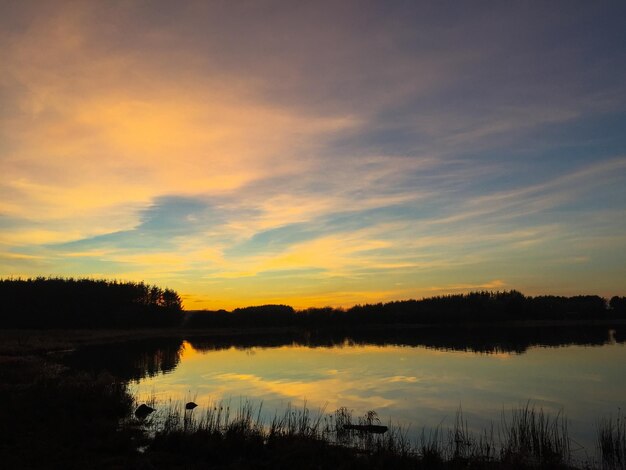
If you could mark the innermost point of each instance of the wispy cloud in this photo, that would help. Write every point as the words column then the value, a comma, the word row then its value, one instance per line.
column 313, row 153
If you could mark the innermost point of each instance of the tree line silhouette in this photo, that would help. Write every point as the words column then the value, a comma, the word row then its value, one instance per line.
column 86, row 303
column 482, row 306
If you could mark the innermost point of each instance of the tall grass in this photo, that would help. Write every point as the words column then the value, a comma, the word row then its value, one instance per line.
column 246, row 421
column 525, row 438
column 612, row 442
column 464, row 445
column 532, row 437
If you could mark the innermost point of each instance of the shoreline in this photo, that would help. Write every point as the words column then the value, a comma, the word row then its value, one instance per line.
column 17, row 341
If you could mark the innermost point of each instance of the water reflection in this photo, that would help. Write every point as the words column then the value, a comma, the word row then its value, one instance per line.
column 130, row 360
column 482, row 339
column 415, row 377
column 135, row 360
column 413, row 386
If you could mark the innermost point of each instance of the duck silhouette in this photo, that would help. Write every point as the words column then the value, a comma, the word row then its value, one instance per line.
column 190, row 406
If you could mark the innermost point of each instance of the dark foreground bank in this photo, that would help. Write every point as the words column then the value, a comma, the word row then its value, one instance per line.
column 52, row 416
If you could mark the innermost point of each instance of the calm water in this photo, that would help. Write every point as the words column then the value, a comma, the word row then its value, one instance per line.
column 421, row 384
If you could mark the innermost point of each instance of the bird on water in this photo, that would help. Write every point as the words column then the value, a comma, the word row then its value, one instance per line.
column 190, row 406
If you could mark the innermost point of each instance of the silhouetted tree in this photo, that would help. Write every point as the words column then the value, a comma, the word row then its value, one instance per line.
column 468, row 308
column 171, row 300
column 85, row 303
column 618, row 305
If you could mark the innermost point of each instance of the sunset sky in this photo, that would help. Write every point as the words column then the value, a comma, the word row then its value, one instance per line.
column 315, row 153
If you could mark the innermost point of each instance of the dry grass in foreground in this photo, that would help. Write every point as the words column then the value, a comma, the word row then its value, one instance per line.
column 223, row 436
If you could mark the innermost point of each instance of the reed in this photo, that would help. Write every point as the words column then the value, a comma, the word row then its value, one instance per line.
column 240, row 435
column 612, row 442
column 533, row 438
column 246, row 421
column 525, row 438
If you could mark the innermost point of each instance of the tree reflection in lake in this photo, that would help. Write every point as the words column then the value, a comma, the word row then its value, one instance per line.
column 134, row 360
column 480, row 339
column 130, row 360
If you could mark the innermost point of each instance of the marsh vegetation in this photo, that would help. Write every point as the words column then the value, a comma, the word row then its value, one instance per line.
column 525, row 438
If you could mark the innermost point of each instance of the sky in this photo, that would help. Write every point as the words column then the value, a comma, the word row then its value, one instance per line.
column 315, row 153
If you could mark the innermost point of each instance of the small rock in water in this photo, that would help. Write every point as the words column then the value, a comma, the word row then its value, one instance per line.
column 143, row 411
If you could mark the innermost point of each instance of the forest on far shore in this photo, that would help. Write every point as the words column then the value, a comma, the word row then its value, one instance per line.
column 88, row 303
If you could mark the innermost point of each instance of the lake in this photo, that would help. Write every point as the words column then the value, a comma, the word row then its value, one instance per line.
column 416, row 378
